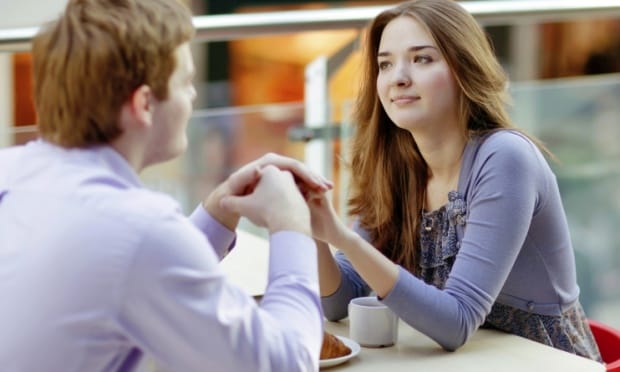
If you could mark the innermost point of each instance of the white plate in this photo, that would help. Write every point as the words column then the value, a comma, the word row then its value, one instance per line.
column 355, row 349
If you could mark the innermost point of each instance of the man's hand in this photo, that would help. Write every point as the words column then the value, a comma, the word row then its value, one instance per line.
column 275, row 203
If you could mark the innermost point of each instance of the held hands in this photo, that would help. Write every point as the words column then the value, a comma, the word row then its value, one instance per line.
column 244, row 181
column 274, row 203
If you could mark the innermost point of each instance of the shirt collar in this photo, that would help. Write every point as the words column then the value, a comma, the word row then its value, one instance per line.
column 119, row 165
column 102, row 155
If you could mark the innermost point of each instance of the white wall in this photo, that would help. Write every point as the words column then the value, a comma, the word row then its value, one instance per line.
column 6, row 97
column 28, row 13
column 13, row 14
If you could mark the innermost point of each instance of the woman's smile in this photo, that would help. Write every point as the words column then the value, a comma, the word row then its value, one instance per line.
column 404, row 99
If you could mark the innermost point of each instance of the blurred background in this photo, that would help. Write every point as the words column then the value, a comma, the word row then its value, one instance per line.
column 270, row 81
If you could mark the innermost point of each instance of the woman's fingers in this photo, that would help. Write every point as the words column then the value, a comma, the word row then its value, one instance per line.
column 300, row 171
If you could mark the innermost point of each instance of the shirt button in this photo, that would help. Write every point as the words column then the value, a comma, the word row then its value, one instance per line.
column 530, row 306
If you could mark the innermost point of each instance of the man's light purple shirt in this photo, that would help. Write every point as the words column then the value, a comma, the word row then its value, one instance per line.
column 96, row 271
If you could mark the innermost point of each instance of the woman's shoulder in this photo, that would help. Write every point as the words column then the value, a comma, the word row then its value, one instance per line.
column 506, row 149
column 507, row 145
column 506, row 140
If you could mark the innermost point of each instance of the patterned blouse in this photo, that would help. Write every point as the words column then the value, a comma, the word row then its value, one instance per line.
column 439, row 245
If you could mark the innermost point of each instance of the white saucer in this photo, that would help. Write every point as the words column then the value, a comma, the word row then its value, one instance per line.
column 355, row 349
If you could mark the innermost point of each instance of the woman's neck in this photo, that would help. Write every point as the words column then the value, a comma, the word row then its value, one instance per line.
column 443, row 158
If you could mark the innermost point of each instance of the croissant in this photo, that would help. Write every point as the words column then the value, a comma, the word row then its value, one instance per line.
column 332, row 347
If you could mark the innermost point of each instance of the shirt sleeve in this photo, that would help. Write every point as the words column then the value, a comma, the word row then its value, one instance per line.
column 180, row 308
column 222, row 240
column 507, row 188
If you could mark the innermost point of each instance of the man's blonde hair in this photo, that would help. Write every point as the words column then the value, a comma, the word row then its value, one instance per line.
column 89, row 61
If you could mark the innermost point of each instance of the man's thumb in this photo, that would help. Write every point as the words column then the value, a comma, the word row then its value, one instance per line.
column 243, row 180
column 234, row 204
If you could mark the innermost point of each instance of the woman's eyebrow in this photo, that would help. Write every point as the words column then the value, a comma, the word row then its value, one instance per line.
column 410, row 49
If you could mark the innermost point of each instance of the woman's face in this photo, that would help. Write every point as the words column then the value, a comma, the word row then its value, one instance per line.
column 415, row 84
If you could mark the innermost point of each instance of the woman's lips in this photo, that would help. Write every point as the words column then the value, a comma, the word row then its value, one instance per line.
column 401, row 100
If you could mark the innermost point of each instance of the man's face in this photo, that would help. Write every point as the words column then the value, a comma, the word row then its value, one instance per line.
column 168, row 137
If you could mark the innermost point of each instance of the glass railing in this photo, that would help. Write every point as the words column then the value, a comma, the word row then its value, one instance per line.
column 578, row 119
column 222, row 140
column 238, row 26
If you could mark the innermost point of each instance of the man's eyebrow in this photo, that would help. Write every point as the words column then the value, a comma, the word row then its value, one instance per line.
column 411, row 49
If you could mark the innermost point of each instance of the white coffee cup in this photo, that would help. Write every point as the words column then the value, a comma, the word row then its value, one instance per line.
column 371, row 323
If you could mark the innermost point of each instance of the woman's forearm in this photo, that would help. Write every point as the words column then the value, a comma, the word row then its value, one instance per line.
column 329, row 273
column 377, row 270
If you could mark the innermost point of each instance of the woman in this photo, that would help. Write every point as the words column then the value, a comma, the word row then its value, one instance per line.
column 459, row 221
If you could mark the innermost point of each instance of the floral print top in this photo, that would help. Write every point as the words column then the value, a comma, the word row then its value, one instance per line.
column 439, row 245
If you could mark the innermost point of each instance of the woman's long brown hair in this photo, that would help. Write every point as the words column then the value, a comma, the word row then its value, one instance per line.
column 388, row 173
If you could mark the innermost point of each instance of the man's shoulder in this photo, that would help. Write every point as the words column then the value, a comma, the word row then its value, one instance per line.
column 9, row 157
column 135, row 206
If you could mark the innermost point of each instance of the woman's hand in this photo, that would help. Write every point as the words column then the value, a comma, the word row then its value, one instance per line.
column 303, row 175
column 326, row 225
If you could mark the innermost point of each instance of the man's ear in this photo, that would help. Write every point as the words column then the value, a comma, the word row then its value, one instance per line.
column 140, row 105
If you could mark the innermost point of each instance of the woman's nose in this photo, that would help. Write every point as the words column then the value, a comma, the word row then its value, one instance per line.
column 402, row 76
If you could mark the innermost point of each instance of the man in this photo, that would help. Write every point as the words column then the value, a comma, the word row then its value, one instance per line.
column 96, row 270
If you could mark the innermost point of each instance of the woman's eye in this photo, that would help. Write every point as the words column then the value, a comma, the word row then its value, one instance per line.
column 383, row 65
column 422, row 59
